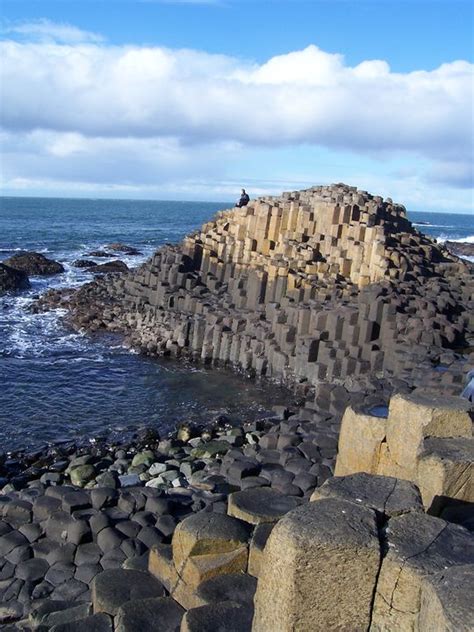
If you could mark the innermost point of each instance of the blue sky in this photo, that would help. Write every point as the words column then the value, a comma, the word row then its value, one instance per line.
column 191, row 100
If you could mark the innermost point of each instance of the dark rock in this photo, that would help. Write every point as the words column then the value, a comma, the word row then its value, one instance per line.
column 128, row 250
column 32, row 570
column 12, row 280
column 95, row 623
column 112, row 588
column 227, row 616
column 160, row 614
column 34, row 263
column 83, row 263
column 111, row 267
column 238, row 587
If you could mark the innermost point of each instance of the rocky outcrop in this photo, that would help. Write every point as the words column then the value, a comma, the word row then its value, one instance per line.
column 12, row 280
column 461, row 248
column 327, row 284
column 34, row 264
column 111, row 267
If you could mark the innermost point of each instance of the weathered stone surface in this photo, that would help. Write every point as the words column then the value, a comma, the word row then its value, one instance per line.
column 319, row 570
column 387, row 495
column 257, row 545
column 260, row 505
column 446, row 472
column 360, row 441
column 161, row 565
column 114, row 587
column 95, row 623
column 414, row 417
column 238, row 587
column 417, row 546
column 160, row 614
column 207, row 533
column 225, row 617
column 446, row 600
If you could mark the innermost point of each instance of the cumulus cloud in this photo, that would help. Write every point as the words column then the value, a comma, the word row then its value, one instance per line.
column 91, row 98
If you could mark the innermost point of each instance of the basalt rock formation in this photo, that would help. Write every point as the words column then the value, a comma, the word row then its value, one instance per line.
column 316, row 285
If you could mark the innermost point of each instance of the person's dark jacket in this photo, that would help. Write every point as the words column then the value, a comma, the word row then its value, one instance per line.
column 244, row 200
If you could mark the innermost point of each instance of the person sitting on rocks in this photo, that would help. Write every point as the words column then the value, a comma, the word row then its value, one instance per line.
column 244, row 199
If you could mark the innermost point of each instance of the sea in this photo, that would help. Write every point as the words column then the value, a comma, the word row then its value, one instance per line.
column 59, row 385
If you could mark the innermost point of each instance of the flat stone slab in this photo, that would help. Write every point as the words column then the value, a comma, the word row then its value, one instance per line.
column 161, row 614
column 95, row 623
column 224, row 617
column 112, row 588
column 238, row 587
column 387, row 495
column 259, row 505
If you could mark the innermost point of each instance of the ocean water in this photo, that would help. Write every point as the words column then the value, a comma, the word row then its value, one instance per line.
column 59, row 385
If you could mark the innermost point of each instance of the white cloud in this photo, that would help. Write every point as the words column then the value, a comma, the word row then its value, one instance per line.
column 184, row 112
column 47, row 31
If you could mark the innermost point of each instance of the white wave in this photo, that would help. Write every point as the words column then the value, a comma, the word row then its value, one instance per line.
column 458, row 240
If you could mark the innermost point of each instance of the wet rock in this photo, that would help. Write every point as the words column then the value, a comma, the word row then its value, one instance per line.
column 12, row 280
column 83, row 263
column 111, row 267
column 118, row 247
column 34, row 263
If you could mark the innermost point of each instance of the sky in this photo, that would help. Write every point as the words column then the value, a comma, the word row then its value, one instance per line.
column 194, row 99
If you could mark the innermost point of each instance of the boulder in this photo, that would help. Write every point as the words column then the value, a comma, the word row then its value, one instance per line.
column 360, row 441
column 259, row 505
column 112, row 588
column 446, row 600
column 446, row 472
column 319, row 569
column 12, row 280
column 34, row 264
column 160, row 614
column 417, row 546
column 386, row 495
